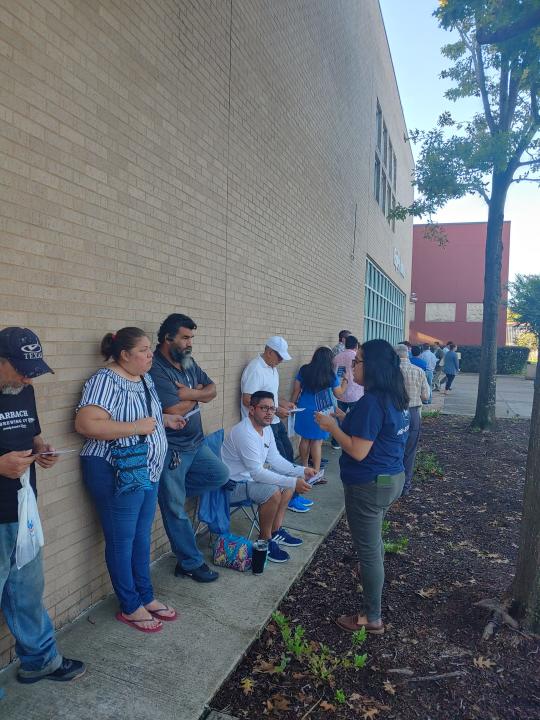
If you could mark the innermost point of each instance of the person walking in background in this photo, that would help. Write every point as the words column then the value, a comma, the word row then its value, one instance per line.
column 431, row 362
column 119, row 406
column 451, row 366
column 314, row 388
column 439, row 367
column 372, row 437
column 21, row 445
column 340, row 346
column 342, row 364
column 261, row 373
column 417, row 389
column 190, row 468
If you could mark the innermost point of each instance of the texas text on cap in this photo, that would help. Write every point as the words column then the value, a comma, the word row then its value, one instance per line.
column 22, row 348
column 279, row 345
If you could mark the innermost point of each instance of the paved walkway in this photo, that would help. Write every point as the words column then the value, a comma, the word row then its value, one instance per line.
column 173, row 674
column 514, row 396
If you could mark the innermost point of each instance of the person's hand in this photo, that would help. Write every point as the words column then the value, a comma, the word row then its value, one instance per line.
column 309, row 472
column 325, row 422
column 174, row 422
column 13, row 464
column 282, row 412
column 145, row 426
column 302, row 486
column 339, row 414
column 46, row 461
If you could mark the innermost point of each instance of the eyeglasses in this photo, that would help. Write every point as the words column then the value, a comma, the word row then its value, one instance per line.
column 356, row 361
column 267, row 408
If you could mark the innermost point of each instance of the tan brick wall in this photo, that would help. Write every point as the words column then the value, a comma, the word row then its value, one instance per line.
column 201, row 156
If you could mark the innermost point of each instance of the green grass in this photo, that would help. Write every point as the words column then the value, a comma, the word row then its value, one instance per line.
column 427, row 466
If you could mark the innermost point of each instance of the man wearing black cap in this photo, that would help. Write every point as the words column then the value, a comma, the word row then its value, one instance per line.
column 21, row 446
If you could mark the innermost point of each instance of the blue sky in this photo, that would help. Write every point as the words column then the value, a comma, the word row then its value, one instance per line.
column 415, row 42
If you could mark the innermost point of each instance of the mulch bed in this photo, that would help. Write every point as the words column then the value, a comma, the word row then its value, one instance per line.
column 463, row 530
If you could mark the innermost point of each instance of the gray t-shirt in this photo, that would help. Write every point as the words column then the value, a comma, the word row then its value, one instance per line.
column 165, row 375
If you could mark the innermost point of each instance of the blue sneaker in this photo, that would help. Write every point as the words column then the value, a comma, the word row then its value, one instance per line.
column 282, row 537
column 296, row 505
column 305, row 501
column 275, row 553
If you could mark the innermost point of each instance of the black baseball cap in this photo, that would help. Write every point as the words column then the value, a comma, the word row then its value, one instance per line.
column 22, row 348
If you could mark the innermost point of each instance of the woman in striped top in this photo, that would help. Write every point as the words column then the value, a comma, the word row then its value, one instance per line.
column 114, row 410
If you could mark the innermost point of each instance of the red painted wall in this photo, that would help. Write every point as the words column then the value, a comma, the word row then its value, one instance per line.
column 454, row 273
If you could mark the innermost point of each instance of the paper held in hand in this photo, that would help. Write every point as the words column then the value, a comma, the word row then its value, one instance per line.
column 192, row 412
column 315, row 478
column 66, row 451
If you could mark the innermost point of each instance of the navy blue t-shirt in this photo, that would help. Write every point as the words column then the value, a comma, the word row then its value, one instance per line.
column 19, row 425
column 375, row 418
column 164, row 375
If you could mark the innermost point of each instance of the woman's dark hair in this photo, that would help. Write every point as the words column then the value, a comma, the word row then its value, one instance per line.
column 351, row 342
column 125, row 339
column 172, row 324
column 319, row 373
column 382, row 374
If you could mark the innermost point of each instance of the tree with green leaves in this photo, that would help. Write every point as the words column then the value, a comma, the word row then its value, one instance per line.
column 525, row 594
column 496, row 59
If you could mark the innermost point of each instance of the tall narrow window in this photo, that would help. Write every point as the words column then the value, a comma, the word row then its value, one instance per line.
column 384, row 307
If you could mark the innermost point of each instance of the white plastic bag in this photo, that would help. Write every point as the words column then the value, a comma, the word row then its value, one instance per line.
column 30, row 533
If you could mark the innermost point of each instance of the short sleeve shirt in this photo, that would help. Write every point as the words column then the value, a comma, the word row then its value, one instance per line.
column 258, row 375
column 19, row 425
column 375, row 418
column 125, row 401
column 165, row 376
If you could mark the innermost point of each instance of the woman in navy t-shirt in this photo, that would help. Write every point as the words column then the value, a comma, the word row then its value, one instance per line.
column 373, row 437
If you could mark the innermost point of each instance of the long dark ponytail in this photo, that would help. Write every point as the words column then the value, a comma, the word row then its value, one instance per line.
column 382, row 374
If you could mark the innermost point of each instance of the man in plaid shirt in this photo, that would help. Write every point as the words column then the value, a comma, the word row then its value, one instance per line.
column 417, row 388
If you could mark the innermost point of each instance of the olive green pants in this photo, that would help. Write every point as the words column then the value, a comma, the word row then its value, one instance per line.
column 366, row 505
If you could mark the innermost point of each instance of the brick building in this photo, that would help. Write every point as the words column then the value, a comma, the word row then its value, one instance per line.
column 448, row 282
column 233, row 160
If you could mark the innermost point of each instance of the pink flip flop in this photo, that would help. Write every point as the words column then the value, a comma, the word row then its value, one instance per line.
column 135, row 624
column 166, row 618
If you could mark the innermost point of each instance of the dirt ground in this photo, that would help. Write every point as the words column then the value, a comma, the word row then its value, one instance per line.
column 462, row 530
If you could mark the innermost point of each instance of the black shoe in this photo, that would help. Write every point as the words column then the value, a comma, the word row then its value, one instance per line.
column 202, row 574
column 68, row 670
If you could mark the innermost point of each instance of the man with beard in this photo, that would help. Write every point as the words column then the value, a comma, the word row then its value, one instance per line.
column 190, row 468
column 21, row 445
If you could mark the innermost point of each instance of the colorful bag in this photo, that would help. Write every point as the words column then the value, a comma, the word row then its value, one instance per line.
column 233, row 552
column 131, row 461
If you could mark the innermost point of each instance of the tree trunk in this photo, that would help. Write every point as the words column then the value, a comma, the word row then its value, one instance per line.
column 485, row 401
column 526, row 585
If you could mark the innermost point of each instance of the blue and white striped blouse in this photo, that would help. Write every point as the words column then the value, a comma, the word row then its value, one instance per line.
column 125, row 401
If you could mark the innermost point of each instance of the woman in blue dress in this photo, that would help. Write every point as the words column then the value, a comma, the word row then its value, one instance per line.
column 314, row 389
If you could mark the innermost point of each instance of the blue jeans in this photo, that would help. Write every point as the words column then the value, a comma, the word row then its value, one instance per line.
column 199, row 471
column 127, row 525
column 21, row 592
column 429, row 378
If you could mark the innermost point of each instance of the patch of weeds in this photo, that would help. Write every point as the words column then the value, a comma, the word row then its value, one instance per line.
column 430, row 414
column 318, row 659
column 393, row 546
column 427, row 466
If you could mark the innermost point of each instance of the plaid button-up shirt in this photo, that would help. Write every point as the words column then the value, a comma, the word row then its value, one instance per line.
column 416, row 383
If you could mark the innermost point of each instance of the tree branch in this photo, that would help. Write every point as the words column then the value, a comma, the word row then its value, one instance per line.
column 478, row 63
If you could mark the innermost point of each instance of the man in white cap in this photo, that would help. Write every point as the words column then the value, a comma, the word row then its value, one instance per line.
column 261, row 373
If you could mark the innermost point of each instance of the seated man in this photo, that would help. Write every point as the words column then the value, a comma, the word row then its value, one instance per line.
column 247, row 449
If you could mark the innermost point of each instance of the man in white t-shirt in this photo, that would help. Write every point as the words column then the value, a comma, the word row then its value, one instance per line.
column 248, row 450
column 261, row 373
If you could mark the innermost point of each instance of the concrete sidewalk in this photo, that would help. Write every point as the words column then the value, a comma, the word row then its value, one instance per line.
column 173, row 674
column 514, row 396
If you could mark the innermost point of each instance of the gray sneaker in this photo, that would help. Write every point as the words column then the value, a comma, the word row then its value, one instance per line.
column 68, row 670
